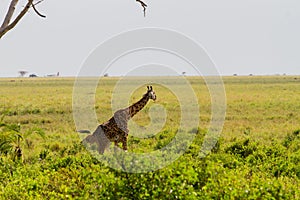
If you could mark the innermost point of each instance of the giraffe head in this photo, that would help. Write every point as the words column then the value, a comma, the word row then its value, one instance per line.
column 150, row 93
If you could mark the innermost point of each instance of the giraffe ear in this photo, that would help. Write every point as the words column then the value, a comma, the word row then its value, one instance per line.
column 148, row 87
column 151, row 87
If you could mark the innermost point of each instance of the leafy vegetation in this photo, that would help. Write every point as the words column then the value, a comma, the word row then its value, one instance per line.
column 257, row 156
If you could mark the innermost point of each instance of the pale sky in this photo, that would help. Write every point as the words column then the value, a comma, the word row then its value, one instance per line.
column 260, row 37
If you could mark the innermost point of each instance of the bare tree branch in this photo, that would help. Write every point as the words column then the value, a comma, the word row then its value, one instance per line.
column 36, row 11
column 7, row 25
column 9, row 14
column 143, row 5
column 18, row 18
column 40, row 1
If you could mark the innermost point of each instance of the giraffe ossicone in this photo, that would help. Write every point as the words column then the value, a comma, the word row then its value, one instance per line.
column 116, row 128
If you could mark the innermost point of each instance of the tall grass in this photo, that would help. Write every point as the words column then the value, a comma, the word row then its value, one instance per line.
column 257, row 156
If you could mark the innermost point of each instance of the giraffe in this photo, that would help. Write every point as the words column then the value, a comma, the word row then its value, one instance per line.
column 115, row 129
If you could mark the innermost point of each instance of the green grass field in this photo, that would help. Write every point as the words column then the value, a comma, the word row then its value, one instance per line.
column 256, row 157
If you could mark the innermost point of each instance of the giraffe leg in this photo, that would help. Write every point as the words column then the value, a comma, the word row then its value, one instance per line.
column 101, row 146
column 101, row 149
column 116, row 146
column 124, row 142
column 102, row 141
column 124, row 139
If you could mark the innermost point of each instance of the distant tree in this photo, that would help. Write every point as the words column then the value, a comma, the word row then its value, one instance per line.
column 105, row 75
column 22, row 73
column 183, row 73
column 9, row 23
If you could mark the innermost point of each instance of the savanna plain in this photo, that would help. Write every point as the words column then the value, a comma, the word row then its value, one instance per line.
column 257, row 155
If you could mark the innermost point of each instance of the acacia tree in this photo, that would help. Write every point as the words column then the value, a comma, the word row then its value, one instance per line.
column 10, row 21
column 22, row 73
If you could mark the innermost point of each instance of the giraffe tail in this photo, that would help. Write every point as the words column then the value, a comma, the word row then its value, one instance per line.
column 83, row 131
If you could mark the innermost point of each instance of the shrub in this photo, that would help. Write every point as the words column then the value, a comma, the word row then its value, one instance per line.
column 241, row 148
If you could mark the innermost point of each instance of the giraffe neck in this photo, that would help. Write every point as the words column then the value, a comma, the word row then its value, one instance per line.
column 136, row 107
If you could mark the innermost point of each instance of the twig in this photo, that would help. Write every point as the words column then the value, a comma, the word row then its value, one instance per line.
column 143, row 5
column 38, row 2
column 36, row 11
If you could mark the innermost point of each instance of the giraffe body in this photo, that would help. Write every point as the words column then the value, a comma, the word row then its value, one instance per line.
column 115, row 129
